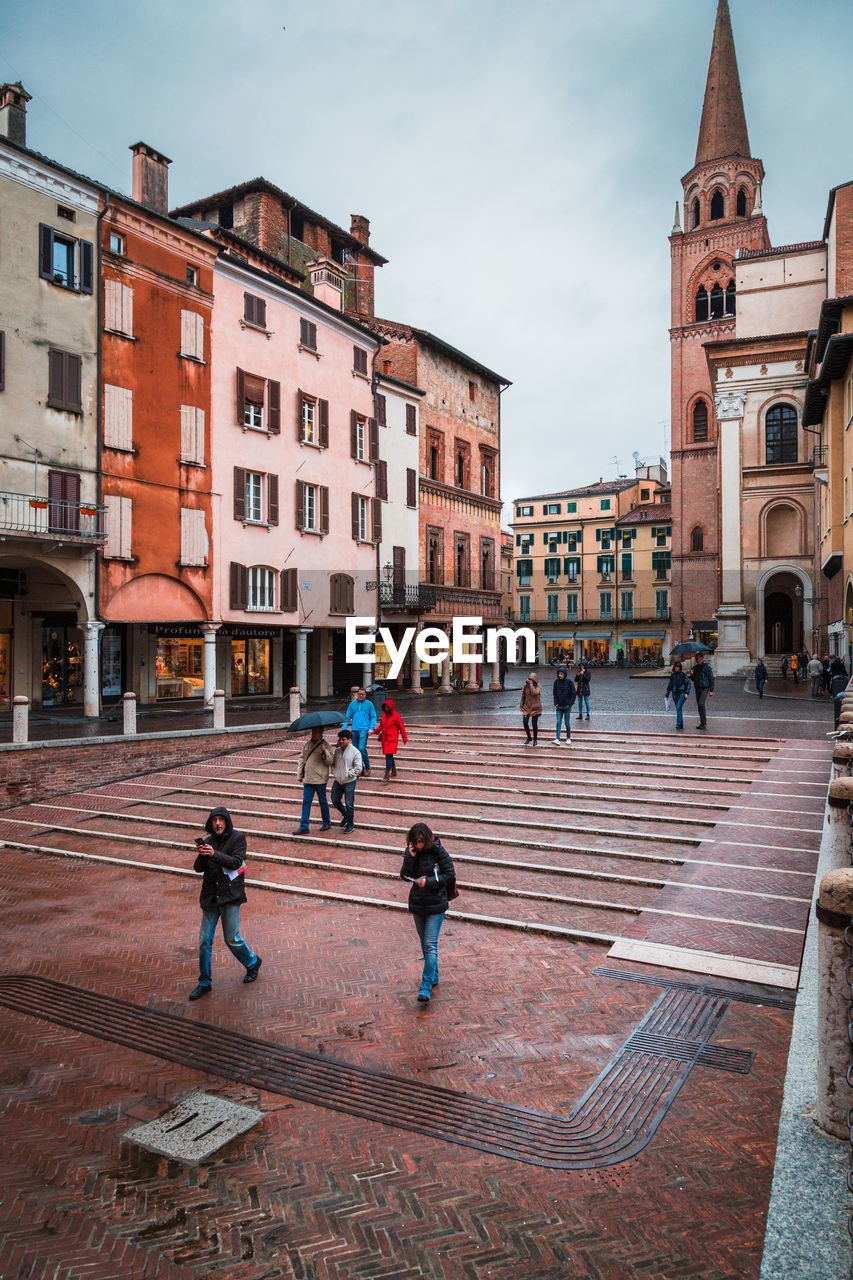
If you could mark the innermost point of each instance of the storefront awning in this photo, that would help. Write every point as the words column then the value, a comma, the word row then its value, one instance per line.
column 593, row 634
column 557, row 635
column 644, row 635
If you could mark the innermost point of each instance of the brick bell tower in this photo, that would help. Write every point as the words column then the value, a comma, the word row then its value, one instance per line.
column 722, row 214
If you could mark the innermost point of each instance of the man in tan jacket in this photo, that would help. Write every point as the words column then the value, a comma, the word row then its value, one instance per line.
column 313, row 772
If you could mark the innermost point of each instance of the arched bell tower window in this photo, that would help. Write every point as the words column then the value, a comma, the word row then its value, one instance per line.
column 697, row 540
column 781, row 430
column 702, row 303
column 741, row 202
column 730, row 298
column 700, row 421
column 717, row 302
column 695, row 222
column 718, row 206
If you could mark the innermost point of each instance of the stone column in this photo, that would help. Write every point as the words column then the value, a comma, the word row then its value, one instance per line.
column 835, row 913
column 732, row 652
column 293, row 704
column 219, row 708
column 128, row 709
column 367, row 668
column 838, row 821
column 302, row 661
column 20, row 719
column 445, row 686
column 209, row 630
column 91, row 692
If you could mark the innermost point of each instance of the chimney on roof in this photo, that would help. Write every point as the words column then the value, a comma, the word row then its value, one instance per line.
column 359, row 227
column 150, row 177
column 13, row 112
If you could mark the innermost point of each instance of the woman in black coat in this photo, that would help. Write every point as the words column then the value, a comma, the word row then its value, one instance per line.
column 427, row 864
column 582, row 686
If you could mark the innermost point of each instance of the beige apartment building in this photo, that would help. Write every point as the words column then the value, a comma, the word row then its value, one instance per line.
column 593, row 569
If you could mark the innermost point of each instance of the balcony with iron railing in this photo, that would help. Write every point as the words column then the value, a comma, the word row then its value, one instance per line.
column 589, row 617
column 24, row 515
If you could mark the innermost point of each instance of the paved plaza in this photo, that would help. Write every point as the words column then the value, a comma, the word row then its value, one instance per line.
column 593, row 1090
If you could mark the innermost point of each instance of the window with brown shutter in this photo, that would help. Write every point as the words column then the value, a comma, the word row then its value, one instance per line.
column 308, row 334
column 359, row 360
column 411, row 487
column 63, row 495
column 272, row 499
column 377, row 519
column 64, row 381
column 411, row 420
column 288, row 591
column 382, row 479
column 239, row 586
column 382, row 411
column 239, row 493
column 241, row 397
column 341, row 593
column 356, row 511
column 353, row 433
column 373, row 429
column 323, row 429
column 324, row 508
column 300, row 504
column 254, row 310
column 274, row 395
column 2, row 361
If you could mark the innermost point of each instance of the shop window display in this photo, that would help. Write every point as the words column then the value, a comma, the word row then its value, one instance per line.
column 250, row 667
column 179, row 667
column 61, row 667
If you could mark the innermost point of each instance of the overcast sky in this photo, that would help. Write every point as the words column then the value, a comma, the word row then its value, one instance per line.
column 519, row 163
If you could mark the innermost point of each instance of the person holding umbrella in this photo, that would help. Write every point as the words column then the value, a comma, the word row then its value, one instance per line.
column 315, row 761
column 703, row 682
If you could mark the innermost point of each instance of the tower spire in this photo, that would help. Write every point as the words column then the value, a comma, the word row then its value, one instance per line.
column 723, row 129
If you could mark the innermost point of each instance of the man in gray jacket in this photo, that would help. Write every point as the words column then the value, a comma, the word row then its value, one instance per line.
column 703, row 682
column 345, row 770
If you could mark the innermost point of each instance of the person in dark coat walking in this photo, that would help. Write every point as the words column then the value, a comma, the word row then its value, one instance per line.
column 703, row 682
column 564, row 696
column 221, row 859
column 760, row 677
column 582, row 686
column 678, row 689
column 428, row 865
column 531, row 707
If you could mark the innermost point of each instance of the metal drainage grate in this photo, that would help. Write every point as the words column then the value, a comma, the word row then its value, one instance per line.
column 613, row 1121
column 738, row 994
column 196, row 1128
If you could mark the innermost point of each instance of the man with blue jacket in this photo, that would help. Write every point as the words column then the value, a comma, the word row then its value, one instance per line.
column 360, row 716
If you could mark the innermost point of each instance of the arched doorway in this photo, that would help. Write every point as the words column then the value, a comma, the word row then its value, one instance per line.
column 778, row 622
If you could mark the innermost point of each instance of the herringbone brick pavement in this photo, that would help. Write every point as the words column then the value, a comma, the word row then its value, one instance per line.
column 519, row 1017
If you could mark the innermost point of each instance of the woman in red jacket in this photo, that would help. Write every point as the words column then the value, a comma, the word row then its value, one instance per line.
column 389, row 730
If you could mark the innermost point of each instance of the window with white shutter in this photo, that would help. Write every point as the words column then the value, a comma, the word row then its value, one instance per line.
column 119, row 516
column 118, row 308
column 192, row 435
column 118, row 417
column 193, row 537
column 192, row 335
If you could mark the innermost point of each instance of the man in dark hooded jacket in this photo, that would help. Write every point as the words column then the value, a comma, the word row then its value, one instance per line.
column 222, row 861
column 564, row 696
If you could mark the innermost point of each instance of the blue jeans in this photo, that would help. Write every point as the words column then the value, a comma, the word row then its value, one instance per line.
column 582, row 698
column 759, row 684
column 230, row 917
column 308, row 791
column 359, row 741
column 564, row 715
column 679, row 706
column 428, row 928
column 343, row 799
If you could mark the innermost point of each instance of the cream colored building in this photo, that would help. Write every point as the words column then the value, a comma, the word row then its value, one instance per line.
column 50, row 522
column 593, row 569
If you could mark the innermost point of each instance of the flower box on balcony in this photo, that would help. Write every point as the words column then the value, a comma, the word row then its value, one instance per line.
column 37, row 502
column 88, row 511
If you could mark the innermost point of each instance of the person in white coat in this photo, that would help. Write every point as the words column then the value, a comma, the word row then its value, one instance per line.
column 345, row 771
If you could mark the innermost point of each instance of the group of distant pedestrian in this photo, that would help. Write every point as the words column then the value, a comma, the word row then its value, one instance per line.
column 820, row 672
column 566, row 692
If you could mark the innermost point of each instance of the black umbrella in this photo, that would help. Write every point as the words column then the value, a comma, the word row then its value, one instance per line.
column 690, row 646
column 316, row 720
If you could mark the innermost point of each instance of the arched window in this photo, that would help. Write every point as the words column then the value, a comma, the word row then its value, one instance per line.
column 697, row 540
column 702, row 303
column 741, row 202
column 730, row 298
column 718, row 206
column 717, row 302
column 695, row 213
column 700, row 421
column 781, row 429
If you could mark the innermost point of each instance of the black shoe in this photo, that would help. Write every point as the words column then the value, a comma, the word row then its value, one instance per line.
column 343, row 822
column 300, row 831
column 701, row 726
column 423, row 997
column 347, row 830
column 199, row 992
column 327, row 826
column 253, row 971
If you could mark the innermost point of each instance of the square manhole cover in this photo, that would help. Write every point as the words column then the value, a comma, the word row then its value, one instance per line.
column 196, row 1128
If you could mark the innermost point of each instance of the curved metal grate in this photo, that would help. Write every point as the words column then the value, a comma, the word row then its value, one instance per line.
column 613, row 1121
